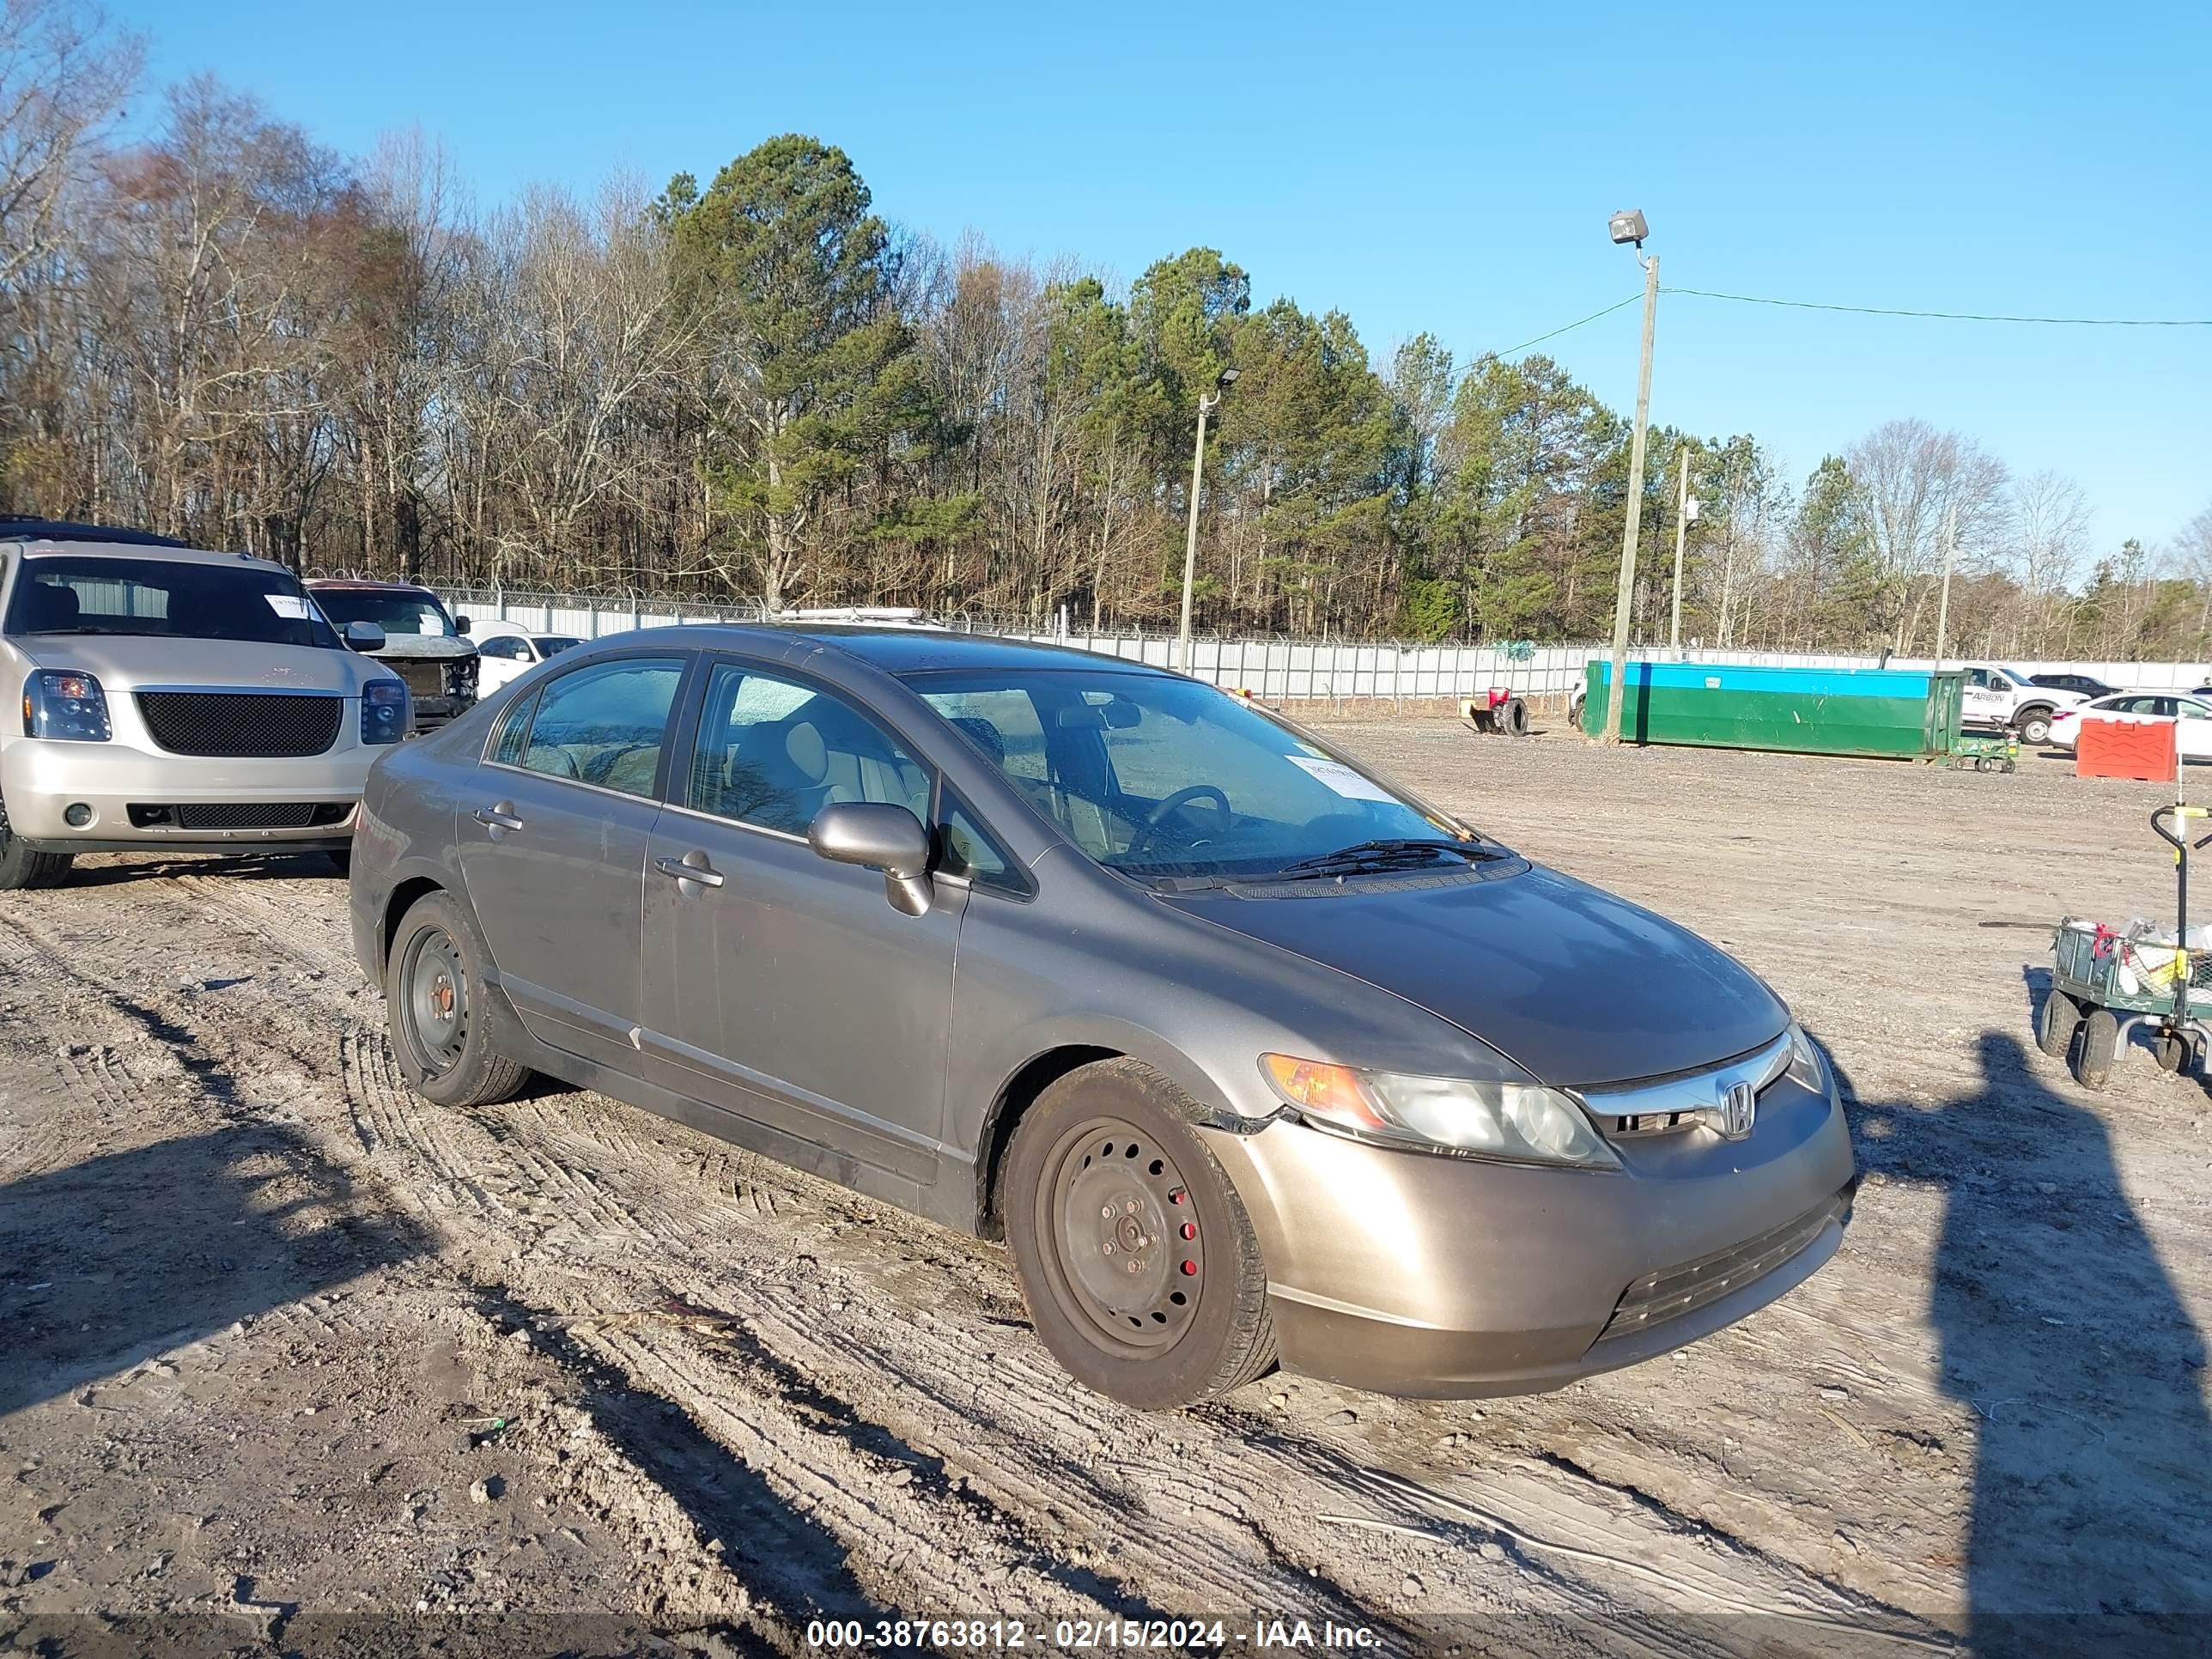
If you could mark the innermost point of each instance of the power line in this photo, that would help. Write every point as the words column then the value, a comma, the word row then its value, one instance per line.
column 1556, row 332
column 1945, row 316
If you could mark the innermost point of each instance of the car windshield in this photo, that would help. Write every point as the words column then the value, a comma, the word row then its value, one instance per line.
column 1158, row 776
column 395, row 613
column 164, row 598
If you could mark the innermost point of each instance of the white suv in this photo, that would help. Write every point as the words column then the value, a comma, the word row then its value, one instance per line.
column 175, row 701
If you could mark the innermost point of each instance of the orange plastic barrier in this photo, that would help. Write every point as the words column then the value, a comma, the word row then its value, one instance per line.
column 2120, row 747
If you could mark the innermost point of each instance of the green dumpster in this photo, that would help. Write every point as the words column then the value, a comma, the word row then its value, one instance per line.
column 1910, row 713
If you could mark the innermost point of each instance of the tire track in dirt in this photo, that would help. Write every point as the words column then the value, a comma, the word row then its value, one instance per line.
column 521, row 1154
column 565, row 1202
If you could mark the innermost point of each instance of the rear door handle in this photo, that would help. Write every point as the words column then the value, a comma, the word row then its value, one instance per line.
column 500, row 816
column 705, row 874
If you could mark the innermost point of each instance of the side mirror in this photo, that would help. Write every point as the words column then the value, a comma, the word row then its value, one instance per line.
column 364, row 637
column 460, row 624
column 883, row 837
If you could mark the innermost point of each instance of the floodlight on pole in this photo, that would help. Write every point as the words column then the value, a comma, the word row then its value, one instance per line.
column 1222, row 382
column 1629, row 226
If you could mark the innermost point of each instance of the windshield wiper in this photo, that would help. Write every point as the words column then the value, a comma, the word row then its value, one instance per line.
column 1385, row 854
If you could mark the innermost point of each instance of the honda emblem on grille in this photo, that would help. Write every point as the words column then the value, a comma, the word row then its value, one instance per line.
column 1739, row 1110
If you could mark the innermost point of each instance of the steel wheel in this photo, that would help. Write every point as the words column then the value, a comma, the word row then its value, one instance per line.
column 433, row 1016
column 444, row 1010
column 1127, row 1257
column 1138, row 1262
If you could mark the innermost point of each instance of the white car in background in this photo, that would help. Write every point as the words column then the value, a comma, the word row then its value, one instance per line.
column 505, row 651
column 2192, row 717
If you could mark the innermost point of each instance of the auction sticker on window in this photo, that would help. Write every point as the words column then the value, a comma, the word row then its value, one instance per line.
column 1340, row 778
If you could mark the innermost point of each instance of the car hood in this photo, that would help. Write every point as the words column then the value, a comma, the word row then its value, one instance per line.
column 122, row 662
column 424, row 647
column 1575, row 985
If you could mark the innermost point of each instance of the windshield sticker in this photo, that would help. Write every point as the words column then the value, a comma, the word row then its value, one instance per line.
column 1336, row 775
column 291, row 606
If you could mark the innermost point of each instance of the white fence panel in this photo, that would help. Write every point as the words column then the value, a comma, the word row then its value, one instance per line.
column 1282, row 670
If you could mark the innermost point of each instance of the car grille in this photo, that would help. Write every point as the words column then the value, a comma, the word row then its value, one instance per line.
column 1672, row 1291
column 424, row 679
column 242, row 724
column 240, row 815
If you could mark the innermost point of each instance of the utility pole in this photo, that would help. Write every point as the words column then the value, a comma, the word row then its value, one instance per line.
column 1943, row 605
column 1626, row 599
column 1681, row 527
column 1206, row 401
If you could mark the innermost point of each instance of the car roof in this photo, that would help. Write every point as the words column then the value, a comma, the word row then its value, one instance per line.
column 361, row 585
column 913, row 651
column 15, row 528
column 42, row 538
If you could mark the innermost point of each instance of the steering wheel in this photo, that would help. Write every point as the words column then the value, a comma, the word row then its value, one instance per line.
column 1150, row 830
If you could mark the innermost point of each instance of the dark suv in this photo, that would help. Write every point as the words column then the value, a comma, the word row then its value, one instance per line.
column 424, row 643
column 2088, row 684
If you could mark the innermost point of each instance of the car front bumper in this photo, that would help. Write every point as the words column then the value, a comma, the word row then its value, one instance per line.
column 432, row 712
column 40, row 781
column 1406, row 1273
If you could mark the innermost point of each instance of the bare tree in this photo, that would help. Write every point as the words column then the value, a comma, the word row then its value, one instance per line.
column 1910, row 476
column 64, row 75
column 2050, row 523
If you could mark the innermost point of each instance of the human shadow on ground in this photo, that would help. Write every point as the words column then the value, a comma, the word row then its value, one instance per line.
column 111, row 1262
column 2061, row 1331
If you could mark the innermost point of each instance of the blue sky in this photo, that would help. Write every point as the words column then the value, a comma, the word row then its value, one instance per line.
column 1447, row 168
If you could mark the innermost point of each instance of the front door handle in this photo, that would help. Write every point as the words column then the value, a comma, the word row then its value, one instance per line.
column 702, row 872
column 500, row 816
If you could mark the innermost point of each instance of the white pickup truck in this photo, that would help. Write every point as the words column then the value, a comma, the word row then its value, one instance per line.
column 1997, row 698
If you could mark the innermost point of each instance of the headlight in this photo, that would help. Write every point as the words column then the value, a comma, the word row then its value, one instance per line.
column 66, row 706
column 1806, row 1068
column 383, row 711
column 1523, row 1122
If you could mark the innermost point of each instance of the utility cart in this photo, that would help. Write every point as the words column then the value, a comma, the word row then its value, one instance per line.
column 1985, row 751
column 2105, row 984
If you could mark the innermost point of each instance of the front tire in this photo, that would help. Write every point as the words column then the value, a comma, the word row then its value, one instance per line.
column 1136, row 1257
column 2100, row 1043
column 437, row 1002
column 2056, row 1022
column 2035, row 728
column 20, row 868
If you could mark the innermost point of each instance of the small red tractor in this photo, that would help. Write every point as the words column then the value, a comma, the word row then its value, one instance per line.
column 1497, row 712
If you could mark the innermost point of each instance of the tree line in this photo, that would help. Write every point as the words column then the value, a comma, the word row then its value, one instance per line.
column 758, row 388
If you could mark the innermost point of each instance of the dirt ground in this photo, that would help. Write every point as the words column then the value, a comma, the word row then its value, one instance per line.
column 294, row 1362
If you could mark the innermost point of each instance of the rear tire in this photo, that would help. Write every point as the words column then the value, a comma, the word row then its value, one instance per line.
column 2056, row 1022
column 20, row 868
column 1136, row 1257
column 2101, row 1043
column 2170, row 1052
column 437, row 1001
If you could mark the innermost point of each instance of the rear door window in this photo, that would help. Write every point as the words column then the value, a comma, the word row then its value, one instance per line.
column 603, row 724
